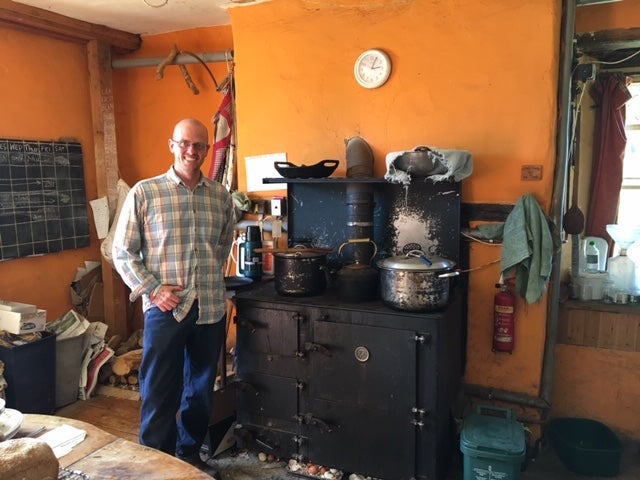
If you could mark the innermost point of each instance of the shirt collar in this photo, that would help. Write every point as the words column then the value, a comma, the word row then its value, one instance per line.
column 173, row 176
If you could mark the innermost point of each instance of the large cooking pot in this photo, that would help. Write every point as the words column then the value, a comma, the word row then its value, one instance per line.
column 300, row 274
column 414, row 282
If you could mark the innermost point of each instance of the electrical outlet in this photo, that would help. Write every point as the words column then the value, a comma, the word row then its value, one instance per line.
column 584, row 72
column 257, row 207
column 278, row 206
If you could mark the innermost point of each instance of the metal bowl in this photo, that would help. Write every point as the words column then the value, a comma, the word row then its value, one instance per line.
column 421, row 163
column 319, row 170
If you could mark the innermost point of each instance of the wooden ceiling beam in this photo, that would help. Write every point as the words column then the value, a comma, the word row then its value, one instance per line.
column 32, row 19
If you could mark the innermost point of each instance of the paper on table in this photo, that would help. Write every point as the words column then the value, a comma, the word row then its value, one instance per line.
column 63, row 438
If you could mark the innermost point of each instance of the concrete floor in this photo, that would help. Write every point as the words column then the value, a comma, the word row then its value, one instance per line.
column 242, row 465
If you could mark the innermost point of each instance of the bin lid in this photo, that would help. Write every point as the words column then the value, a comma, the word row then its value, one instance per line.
column 492, row 435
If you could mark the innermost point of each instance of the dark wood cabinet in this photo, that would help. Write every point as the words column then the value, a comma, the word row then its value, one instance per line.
column 354, row 386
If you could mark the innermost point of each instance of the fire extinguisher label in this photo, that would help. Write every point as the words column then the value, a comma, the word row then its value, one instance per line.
column 503, row 322
column 508, row 309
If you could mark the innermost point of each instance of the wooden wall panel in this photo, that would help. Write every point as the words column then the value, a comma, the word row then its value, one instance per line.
column 590, row 324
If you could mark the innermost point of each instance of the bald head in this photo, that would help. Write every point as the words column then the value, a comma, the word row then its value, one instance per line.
column 192, row 125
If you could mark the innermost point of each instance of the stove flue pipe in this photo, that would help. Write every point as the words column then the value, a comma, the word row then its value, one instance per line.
column 359, row 199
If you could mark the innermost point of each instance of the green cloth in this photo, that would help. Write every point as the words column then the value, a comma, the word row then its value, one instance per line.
column 527, row 248
column 493, row 231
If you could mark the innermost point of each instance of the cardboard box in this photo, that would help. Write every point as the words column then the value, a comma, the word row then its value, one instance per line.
column 7, row 306
column 15, row 322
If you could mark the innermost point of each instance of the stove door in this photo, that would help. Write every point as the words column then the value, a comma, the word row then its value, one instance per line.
column 358, row 407
column 267, row 340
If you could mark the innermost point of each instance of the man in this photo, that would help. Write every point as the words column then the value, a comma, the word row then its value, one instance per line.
column 173, row 236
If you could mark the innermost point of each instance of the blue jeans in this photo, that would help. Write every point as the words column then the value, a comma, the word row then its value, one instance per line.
column 177, row 376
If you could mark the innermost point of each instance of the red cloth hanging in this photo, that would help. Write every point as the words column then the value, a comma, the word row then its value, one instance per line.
column 223, row 128
column 611, row 94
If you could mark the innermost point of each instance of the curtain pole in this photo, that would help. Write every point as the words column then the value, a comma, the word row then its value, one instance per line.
column 181, row 59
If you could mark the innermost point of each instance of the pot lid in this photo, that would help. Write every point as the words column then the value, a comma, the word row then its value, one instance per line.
column 416, row 261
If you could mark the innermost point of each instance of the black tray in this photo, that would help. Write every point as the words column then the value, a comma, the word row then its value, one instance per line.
column 319, row 170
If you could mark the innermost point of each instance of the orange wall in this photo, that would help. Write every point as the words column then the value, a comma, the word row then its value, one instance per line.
column 45, row 95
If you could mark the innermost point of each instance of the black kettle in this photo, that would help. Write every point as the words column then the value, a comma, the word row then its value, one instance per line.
column 357, row 281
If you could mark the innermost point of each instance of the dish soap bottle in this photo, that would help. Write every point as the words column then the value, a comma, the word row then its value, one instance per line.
column 592, row 254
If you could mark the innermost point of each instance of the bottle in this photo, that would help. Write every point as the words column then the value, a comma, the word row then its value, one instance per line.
column 622, row 273
column 592, row 265
column 252, row 259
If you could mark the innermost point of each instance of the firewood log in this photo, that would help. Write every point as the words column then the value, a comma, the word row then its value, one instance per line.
column 132, row 343
column 123, row 364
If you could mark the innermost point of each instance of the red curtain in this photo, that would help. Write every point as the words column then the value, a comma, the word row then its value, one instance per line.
column 610, row 93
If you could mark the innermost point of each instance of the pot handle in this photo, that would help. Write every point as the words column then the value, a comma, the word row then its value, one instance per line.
column 327, row 163
column 421, row 255
column 455, row 273
column 360, row 240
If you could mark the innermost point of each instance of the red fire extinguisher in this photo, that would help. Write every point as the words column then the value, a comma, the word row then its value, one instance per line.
column 504, row 313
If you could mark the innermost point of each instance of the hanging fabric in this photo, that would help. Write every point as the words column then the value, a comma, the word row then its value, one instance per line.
column 611, row 94
column 224, row 128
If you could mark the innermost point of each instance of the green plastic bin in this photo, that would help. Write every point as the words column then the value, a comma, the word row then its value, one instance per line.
column 493, row 444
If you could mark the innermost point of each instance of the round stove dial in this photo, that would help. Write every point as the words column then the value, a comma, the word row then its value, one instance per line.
column 361, row 353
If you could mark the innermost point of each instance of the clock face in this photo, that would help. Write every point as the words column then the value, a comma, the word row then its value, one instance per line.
column 372, row 68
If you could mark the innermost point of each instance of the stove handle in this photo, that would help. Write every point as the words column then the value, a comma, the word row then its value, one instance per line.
column 309, row 419
column 245, row 323
column 316, row 347
column 246, row 386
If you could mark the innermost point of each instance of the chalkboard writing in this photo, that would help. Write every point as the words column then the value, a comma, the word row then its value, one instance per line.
column 43, row 207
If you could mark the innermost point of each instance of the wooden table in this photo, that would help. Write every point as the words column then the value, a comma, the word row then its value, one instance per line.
column 103, row 456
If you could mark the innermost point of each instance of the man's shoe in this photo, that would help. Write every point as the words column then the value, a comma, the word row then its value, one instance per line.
column 197, row 461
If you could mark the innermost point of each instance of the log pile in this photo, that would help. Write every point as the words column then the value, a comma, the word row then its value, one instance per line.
column 122, row 369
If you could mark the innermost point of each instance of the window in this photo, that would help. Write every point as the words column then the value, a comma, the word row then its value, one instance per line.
column 630, row 193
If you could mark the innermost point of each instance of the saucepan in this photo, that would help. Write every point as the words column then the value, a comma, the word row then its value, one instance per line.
column 416, row 282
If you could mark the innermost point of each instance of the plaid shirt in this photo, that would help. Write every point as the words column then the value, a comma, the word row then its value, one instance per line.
column 171, row 235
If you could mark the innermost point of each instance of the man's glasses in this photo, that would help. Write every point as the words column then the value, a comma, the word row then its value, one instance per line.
column 184, row 145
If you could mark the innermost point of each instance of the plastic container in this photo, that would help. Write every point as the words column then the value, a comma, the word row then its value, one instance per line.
column 591, row 286
column 69, row 353
column 30, row 372
column 493, row 444
column 586, row 447
column 622, row 273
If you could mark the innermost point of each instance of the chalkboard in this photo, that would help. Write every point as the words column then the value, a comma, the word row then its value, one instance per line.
column 43, row 207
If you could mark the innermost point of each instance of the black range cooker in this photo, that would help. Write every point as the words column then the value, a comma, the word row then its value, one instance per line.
column 358, row 386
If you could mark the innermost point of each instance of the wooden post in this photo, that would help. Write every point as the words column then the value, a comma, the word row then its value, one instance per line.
column 106, row 158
